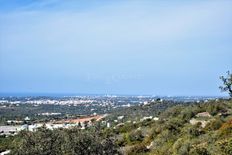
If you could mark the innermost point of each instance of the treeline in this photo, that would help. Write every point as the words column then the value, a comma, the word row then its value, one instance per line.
column 63, row 142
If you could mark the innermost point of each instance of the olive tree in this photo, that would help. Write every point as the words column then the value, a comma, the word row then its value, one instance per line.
column 227, row 83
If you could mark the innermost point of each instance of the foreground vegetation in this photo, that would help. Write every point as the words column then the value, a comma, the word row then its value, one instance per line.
column 173, row 133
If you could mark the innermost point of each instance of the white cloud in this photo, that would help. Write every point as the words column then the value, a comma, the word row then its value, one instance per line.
column 107, row 24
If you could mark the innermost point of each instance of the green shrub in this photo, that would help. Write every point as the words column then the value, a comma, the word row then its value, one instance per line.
column 138, row 149
column 199, row 151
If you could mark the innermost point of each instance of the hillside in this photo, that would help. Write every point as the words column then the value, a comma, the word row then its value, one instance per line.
column 199, row 128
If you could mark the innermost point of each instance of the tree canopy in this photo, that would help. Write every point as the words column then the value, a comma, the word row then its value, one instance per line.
column 227, row 83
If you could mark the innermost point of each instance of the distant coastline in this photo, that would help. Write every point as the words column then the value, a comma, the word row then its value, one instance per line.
column 67, row 95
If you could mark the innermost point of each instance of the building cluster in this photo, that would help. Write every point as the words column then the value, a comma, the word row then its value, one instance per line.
column 81, row 123
column 51, row 101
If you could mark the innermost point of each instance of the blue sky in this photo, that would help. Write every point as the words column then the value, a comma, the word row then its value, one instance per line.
column 115, row 47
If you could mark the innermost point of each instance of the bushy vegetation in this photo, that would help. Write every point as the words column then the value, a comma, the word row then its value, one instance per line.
column 62, row 141
column 173, row 134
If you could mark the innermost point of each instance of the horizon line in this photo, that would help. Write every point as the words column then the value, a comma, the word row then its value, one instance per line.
column 62, row 94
